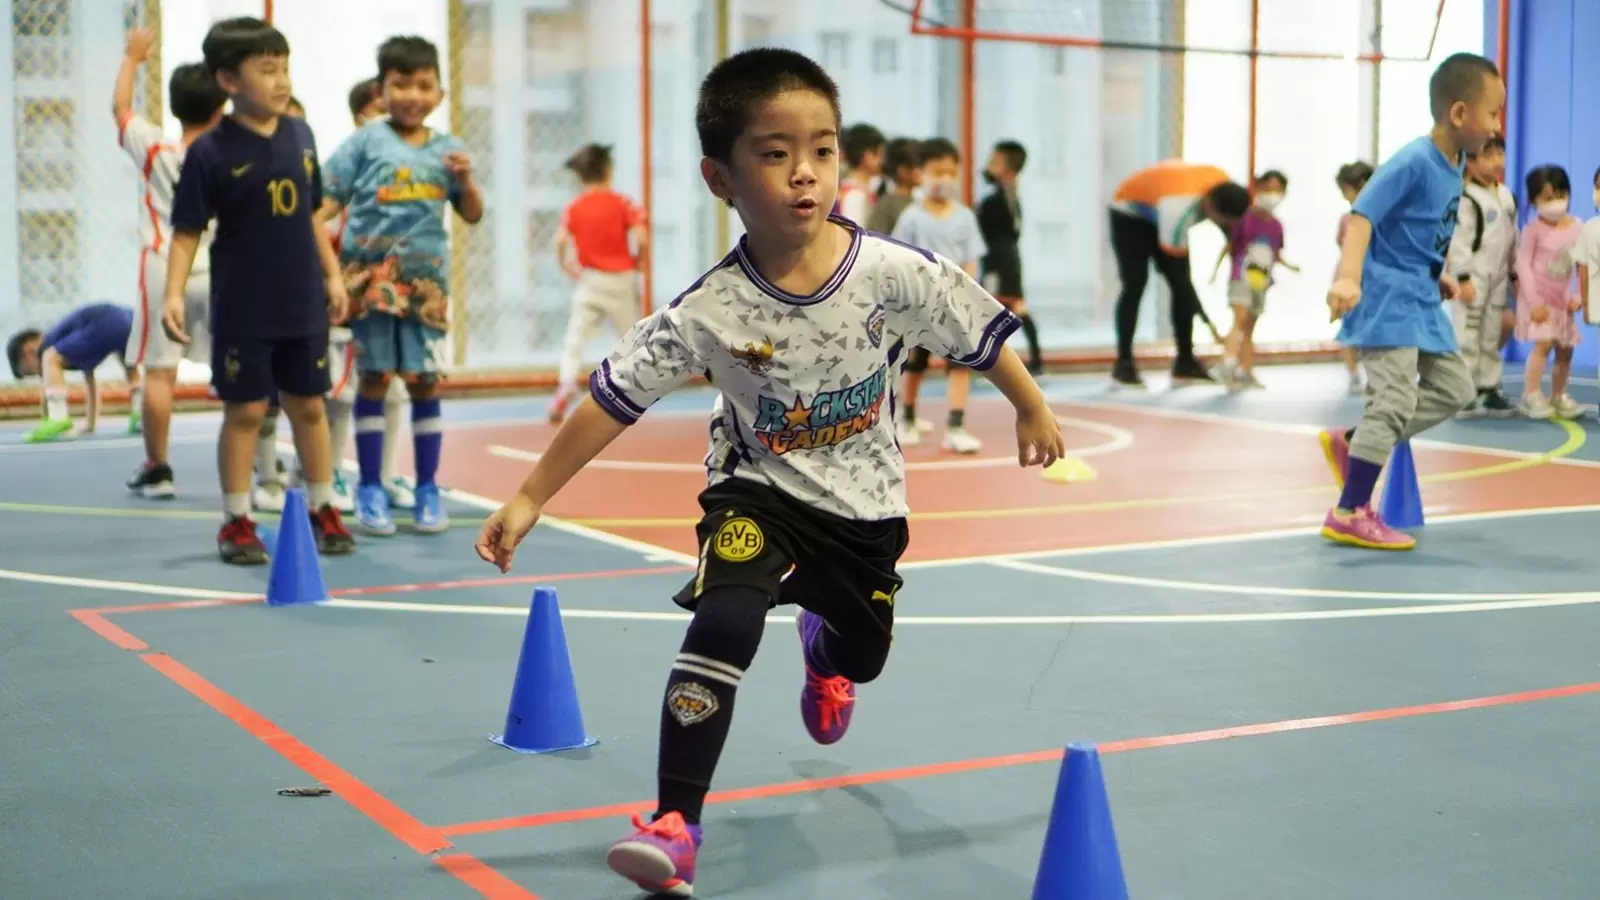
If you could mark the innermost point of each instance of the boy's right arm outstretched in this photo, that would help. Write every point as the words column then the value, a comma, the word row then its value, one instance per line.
column 656, row 357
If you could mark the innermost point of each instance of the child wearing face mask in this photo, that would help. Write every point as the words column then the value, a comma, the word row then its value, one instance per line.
column 940, row 224
column 1482, row 257
column 1255, row 246
column 1586, row 254
column 1351, row 179
column 1545, row 301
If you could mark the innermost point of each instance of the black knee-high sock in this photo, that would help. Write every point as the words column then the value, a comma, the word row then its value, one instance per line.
column 1030, row 333
column 720, row 644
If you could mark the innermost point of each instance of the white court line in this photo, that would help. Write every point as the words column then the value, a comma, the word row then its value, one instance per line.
column 1117, row 439
column 1303, row 429
column 1537, row 601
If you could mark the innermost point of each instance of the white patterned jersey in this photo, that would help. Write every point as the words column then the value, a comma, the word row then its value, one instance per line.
column 804, row 381
column 159, row 161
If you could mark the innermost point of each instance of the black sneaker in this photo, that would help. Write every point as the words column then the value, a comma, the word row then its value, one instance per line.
column 1495, row 404
column 333, row 538
column 1125, row 374
column 239, row 545
column 1190, row 371
column 152, row 481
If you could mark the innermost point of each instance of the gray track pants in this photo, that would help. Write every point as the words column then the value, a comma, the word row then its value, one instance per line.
column 1408, row 392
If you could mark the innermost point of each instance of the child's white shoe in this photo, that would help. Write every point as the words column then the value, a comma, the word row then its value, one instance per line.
column 1567, row 408
column 1535, row 406
column 959, row 440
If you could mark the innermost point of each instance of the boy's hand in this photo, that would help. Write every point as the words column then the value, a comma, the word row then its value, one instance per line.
column 1342, row 297
column 1575, row 304
column 140, row 40
column 1539, row 314
column 502, row 532
column 1468, row 291
column 172, row 320
column 338, row 299
column 1449, row 287
column 1039, row 441
column 459, row 164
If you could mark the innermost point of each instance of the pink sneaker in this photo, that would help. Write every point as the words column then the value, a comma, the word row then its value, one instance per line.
column 658, row 856
column 828, row 699
column 1336, row 447
column 1364, row 528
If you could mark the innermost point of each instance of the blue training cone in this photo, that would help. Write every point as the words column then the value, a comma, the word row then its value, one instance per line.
column 1401, row 504
column 296, row 574
column 544, row 716
column 1080, row 860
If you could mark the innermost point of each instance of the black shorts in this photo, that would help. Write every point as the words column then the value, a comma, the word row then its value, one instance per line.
column 247, row 370
column 843, row 569
column 917, row 361
column 1004, row 282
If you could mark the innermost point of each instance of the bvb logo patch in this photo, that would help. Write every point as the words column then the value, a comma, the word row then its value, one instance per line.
column 738, row 540
column 691, row 703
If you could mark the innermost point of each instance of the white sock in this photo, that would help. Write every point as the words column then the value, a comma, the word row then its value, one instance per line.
column 55, row 403
column 235, row 506
column 394, row 413
column 267, row 451
column 340, row 421
column 319, row 494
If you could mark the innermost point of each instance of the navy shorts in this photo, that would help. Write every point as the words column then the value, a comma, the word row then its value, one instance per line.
column 249, row 370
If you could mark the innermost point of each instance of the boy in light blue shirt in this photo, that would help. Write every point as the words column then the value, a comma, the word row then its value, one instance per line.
column 398, row 177
column 941, row 224
column 1391, row 289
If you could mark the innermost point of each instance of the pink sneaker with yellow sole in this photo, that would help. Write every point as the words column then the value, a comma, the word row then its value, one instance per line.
column 1364, row 528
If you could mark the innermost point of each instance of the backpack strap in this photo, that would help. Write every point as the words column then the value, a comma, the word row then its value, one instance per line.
column 1477, row 235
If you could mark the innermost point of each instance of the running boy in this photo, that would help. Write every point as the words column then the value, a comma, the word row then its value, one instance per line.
column 940, row 224
column 274, row 279
column 799, row 328
column 78, row 343
column 1000, row 223
column 1391, row 278
column 396, row 176
column 196, row 101
column 1482, row 258
column 603, row 237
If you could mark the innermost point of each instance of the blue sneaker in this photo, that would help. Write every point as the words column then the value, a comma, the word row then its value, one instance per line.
column 659, row 856
column 372, row 511
column 430, row 515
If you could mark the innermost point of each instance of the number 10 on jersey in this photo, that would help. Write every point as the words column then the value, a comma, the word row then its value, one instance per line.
column 284, row 196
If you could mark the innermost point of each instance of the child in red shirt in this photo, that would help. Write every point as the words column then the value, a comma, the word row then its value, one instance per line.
column 603, row 237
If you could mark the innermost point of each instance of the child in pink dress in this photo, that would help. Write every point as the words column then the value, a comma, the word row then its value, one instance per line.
column 1545, row 299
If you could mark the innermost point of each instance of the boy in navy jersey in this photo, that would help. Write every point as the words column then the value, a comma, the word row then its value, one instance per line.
column 274, row 278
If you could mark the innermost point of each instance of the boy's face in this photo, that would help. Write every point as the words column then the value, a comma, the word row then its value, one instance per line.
column 260, row 86
column 1489, row 166
column 373, row 110
column 1479, row 120
column 28, row 358
column 410, row 97
column 783, row 173
column 941, row 177
column 999, row 167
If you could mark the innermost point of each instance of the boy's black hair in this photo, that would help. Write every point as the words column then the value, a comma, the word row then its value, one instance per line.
column 1015, row 154
column 14, row 349
column 194, row 95
column 900, row 153
column 406, row 54
column 1229, row 199
column 937, row 148
column 592, row 163
column 362, row 94
column 1273, row 175
column 1354, row 175
column 1495, row 142
column 1551, row 176
column 1458, row 79
column 730, row 92
column 232, row 41
column 859, row 140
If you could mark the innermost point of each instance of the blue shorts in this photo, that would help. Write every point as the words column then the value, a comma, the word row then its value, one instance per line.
column 388, row 344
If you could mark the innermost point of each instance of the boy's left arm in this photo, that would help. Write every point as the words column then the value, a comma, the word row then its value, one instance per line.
column 953, row 316
column 464, row 195
column 332, row 277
